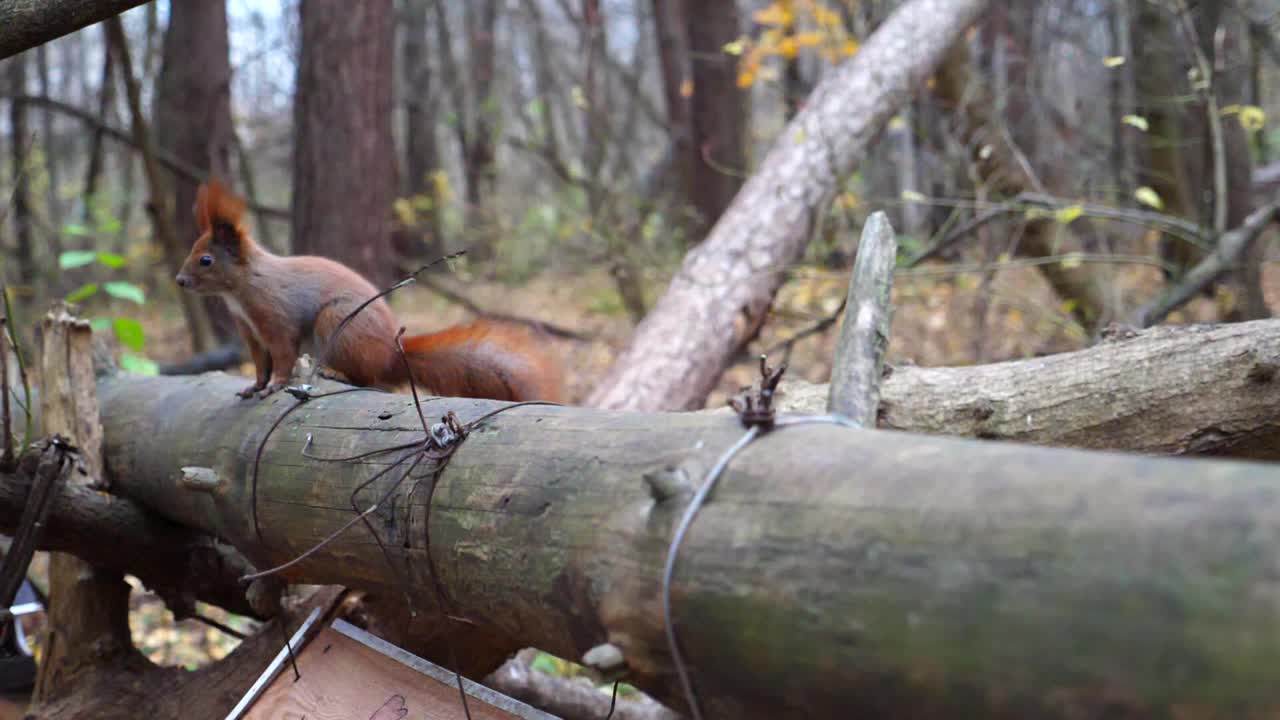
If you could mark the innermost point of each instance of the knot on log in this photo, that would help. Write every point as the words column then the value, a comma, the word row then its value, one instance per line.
column 200, row 479
column 669, row 482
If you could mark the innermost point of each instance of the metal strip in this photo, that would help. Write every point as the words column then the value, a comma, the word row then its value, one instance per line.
column 426, row 667
column 26, row 608
column 273, row 669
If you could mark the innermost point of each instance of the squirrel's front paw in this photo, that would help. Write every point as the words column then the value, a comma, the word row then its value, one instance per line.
column 271, row 389
column 250, row 391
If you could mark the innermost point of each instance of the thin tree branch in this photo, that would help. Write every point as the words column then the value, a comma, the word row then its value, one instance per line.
column 1227, row 254
column 165, row 158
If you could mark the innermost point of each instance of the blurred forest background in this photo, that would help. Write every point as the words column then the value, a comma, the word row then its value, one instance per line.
column 1071, row 159
column 1067, row 165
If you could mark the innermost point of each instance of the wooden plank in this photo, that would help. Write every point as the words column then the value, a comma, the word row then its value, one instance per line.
column 348, row 674
column 273, row 669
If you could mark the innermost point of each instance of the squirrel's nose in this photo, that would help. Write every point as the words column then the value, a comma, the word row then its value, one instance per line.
column 183, row 280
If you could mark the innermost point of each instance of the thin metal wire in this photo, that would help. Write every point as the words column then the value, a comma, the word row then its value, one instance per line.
column 691, row 512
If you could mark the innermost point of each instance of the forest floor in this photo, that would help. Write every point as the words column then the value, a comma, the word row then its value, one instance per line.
column 938, row 319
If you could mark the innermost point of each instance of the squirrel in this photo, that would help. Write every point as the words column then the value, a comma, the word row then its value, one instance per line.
column 278, row 302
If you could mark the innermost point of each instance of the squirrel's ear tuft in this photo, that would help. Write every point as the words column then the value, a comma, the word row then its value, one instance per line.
column 201, row 209
column 216, row 204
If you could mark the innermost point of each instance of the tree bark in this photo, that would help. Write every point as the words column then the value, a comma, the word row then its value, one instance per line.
column 478, row 153
column 1198, row 390
column 718, row 109
column 192, row 120
column 198, row 323
column 673, row 55
column 998, row 165
column 889, row 575
column 725, row 286
column 52, row 152
column 25, row 24
column 20, row 141
column 344, row 157
column 106, row 100
column 421, row 151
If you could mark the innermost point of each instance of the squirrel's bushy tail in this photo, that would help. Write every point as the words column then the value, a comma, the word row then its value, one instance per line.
column 482, row 359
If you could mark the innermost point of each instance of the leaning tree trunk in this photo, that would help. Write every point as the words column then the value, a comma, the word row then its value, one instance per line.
column 889, row 575
column 722, row 292
column 344, row 161
column 25, row 24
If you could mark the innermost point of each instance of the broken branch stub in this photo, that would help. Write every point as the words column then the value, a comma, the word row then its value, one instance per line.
column 864, row 334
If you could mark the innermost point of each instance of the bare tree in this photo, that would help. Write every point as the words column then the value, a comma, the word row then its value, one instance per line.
column 19, row 145
column 718, row 108
column 344, row 154
column 192, row 112
column 421, row 150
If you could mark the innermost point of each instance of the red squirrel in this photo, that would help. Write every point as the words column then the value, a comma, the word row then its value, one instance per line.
column 279, row 302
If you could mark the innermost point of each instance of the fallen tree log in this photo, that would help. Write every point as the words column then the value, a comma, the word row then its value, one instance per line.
column 834, row 572
column 1199, row 390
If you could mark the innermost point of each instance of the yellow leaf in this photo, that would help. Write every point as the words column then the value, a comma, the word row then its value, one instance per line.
column 579, row 97
column 1070, row 261
column 1136, row 121
column 1113, row 61
column 848, row 201
column 826, row 17
column 1252, row 118
column 1069, row 214
column 403, row 209
column 444, row 191
column 787, row 47
column 778, row 14
column 1004, row 258
column 686, row 89
column 897, row 122
column 913, row 197
column 734, row 48
column 849, row 47
column 746, row 79
column 808, row 39
column 1149, row 197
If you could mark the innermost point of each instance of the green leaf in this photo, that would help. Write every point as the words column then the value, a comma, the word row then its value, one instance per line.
column 1136, row 121
column 100, row 324
column 75, row 229
column 1149, row 197
column 109, row 226
column 545, row 663
column 138, row 365
column 125, row 291
column 82, row 293
column 76, row 258
column 1068, row 215
column 111, row 260
column 130, row 333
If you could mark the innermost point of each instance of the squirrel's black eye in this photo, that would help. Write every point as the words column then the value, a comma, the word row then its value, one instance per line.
column 206, row 260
